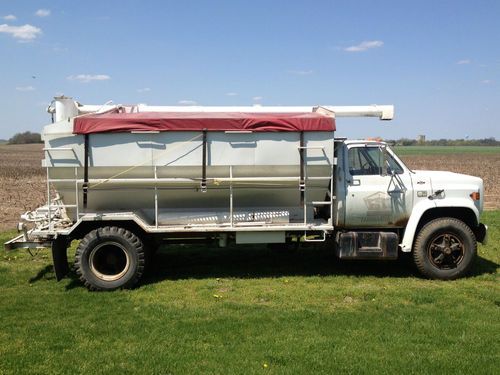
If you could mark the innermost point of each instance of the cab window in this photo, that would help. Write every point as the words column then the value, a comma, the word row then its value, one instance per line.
column 370, row 161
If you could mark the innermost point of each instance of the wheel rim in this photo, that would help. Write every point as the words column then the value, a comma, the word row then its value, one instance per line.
column 446, row 251
column 109, row 261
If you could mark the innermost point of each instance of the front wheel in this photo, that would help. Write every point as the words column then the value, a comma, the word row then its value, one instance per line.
column 110, row 258
column 445, row 249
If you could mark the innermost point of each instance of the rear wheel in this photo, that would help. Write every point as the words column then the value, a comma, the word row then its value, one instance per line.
column 445, row 249
column 110, row 258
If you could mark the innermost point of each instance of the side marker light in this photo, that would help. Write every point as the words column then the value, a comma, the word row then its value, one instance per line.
column 475, row 196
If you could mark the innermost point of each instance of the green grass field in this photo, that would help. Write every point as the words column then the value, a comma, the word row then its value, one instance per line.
column 438, row 150
column 253, row 311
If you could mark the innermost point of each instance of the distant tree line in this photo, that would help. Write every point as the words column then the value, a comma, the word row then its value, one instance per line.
column 445, row 142
column 26, row 137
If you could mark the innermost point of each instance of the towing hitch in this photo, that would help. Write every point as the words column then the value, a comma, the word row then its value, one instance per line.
column 58, row 246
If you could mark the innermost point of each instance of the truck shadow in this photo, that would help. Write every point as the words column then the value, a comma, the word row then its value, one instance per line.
column 198, row 262
column 46, row 273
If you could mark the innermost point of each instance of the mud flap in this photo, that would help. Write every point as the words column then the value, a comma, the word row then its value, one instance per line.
column 481, row 233
column 60, row 257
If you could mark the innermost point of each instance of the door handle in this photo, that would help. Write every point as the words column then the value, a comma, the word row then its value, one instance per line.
column 396, row 191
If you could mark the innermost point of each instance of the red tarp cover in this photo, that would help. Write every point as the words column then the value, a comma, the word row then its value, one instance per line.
column 197, row 121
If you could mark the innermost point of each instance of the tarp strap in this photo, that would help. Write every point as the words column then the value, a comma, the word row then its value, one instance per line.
column 203, row 184
column 302, row 183
column 86, row 171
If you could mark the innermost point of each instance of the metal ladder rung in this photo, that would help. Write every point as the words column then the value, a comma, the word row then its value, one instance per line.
column 58, row 149
column 321, row 203
column 318, row 178
column 311, row 147
column 64, row 180
column 321, row 239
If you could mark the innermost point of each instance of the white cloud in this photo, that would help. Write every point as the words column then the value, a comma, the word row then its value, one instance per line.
column 301, row 72
column 86, row 78
column 187, row 102
column 257, row 98
column 463, row 62
column 486, row 81
column 42, row 13
column 364, row 46
column 9, row 17
column 144, row 89
column 25, row 88
column 23, row 33
column 231, row 93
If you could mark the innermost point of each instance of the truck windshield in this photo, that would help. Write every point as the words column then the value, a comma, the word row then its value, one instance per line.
column 370, row 161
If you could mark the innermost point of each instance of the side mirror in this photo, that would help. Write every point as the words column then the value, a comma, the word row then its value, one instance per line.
column 385, row 168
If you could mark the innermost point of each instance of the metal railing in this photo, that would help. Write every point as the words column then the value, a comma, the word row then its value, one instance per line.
column 156, row 183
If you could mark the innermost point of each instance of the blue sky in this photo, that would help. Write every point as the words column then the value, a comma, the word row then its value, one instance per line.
column 438, row 62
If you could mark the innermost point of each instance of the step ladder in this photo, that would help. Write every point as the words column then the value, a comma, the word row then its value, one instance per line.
column 303, row 187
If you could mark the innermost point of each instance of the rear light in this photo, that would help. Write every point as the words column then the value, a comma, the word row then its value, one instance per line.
column 475, row 196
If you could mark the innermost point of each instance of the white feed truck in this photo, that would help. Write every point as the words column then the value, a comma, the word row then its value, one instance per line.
column 125, row 179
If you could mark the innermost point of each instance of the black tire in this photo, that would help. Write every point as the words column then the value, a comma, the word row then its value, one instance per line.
column 110, row 258
column 445, row 249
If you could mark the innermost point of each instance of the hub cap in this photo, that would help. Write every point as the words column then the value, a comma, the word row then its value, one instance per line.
column 109, row 261
column 446, row 251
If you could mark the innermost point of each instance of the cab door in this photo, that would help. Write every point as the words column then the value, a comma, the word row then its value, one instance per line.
column 378, row 188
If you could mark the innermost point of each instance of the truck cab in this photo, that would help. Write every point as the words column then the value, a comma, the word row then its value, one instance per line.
column 374, row 187
column 380, row 200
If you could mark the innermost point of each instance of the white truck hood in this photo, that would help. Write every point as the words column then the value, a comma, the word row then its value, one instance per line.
column 438, row 178
column 454, row 185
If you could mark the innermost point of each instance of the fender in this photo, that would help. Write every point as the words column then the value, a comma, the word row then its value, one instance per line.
column 115, row 217
column 425, row 205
